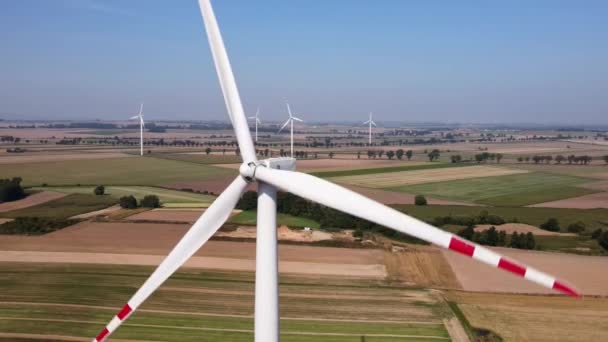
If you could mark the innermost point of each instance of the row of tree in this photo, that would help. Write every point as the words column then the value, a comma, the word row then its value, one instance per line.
column 571, row 159
column 493, row 237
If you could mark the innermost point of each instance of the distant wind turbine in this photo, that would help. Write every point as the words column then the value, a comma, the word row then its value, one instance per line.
column 370, row 122
column 290, row 120
column 140, row 116
column 256, row 117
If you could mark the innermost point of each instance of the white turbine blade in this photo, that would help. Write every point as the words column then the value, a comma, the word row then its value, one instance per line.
column 251, row 117
column 366, row 122
column 134, row 117
column 257, row 112
column 141, row 109
column 227, row 82
column 297, row 119
column 284, row 125
column 209, row 222
column 339, row 198
column 258, row 121
column 288, row 109
column 373, row 123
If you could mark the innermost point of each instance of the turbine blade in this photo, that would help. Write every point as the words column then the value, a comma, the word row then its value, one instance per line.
column 366, row 122
column 134, row 117
column 297, row 119
column 284, row 125
column 209, row 222
column 373, row 123
column 141, row 108
column 258, row 120
column 288, row 109
column 339, row 198
column 227, row 82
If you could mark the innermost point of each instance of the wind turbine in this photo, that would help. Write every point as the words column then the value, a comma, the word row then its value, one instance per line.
column 370, row 122
column 256, row 117
column 278, row 173
column 290, row 120
column 141, row 128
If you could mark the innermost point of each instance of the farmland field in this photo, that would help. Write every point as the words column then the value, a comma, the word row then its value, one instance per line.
column 534, row 216
column 390, row 180
column 250, row 217
column 195, row 305
column 65, row 207
column 535, row 318
column 511, row 190
column 165, row 195
column 121, row 171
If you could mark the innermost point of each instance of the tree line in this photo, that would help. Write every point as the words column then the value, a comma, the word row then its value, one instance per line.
column 11, row 189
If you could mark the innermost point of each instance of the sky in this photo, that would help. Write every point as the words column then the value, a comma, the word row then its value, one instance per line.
column 516, row 61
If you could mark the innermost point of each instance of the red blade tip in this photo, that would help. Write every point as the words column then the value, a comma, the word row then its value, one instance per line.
column 565, row 289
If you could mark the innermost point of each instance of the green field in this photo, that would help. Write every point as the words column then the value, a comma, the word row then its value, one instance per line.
column 370, row 171
column 250, row 217
column 118, row 171
column 196, row 305
column 593, row 218
column 65, row 207
column 165, row 195
column 511, row 190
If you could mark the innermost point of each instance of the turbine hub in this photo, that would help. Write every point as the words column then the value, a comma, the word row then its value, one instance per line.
column 247, row 171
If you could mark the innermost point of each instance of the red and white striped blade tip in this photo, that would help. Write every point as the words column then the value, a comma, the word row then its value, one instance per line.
column 468, row 249
column 120, row 316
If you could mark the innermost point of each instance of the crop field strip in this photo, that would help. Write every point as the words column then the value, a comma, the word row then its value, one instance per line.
column 390, row 169
column 71, row 300
column 507, row 190
column 64, row 207
column 391, row 180
column 165, row 195
column 535, row 318
column 121, row 171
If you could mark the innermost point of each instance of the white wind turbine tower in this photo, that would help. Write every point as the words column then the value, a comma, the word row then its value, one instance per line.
column 256, row 117
column 279, row 173
column 290, row 120
column 141, row 128
column 370, row 122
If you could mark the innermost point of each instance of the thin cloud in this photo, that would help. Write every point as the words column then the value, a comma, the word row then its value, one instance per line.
column 101, row 7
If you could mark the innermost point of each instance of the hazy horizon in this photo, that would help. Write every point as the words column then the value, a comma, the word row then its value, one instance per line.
column 407, row 61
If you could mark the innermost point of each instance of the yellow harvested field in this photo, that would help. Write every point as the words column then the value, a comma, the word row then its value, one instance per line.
column 394, row 179
column 420, row 266
column 536, row 318
column 511, row 228
column 583, row 272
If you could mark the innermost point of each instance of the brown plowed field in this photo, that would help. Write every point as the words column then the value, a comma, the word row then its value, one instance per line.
column 31, row 200
column 153, row 241
column 592, row 201
column 586, row 273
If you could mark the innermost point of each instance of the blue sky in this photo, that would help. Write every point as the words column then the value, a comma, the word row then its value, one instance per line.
column 426, row 60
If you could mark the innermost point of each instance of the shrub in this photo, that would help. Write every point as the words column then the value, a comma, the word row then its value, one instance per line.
column 99, row 190
column 358, row 233
column 467, row 233
column 249, row 201
column 596, row 233
column 150, row 201
column 576, row 227
column 128, row 202
column 11, row 190
column 420, row 200
column 34, row 225
column 551, row 225
column 603, row 240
